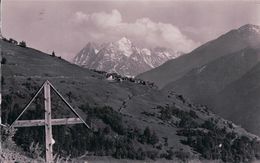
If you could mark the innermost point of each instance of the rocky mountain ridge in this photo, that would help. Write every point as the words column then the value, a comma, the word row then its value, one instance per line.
column 123, row 57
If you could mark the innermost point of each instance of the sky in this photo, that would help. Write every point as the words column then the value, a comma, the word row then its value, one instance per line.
column 66, row 26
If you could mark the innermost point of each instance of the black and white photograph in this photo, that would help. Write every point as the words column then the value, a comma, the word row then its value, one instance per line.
column 130, row 81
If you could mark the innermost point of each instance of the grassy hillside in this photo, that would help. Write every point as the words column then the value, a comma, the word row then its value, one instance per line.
column 229, row 85
column 130, row 119
column 230, row 42
column 242, row 96
column 202, row 84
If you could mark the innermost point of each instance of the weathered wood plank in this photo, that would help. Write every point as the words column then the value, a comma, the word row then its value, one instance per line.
column 31, row 123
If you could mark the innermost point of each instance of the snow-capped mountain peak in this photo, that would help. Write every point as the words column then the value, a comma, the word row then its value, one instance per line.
column 89, row 51
column 146, row 51
column 124, row 46
column 123, row 57
column 124, row 42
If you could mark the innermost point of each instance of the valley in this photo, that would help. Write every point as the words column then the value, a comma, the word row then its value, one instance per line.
column 132, row 118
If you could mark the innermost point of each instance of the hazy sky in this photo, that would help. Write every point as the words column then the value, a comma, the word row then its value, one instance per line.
column 67, row 26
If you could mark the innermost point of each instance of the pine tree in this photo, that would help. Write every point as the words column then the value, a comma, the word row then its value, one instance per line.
column 53, row 54
column 154, row 138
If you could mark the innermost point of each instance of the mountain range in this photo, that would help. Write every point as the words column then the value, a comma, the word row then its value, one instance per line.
column 123, row 57
column 232, row 41
column 130, row 118
column 222, row 74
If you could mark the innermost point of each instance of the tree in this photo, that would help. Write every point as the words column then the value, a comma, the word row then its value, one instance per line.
column 154, row 138
column 140, row 154
column 13, row 41
column 22, row 44
column 2, row 80
column 3, row 61
column 53, row 54
column 146, row 135
column 165, row 113
column 169, row 155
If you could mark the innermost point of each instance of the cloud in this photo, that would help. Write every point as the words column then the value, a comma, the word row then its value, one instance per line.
column 100, row 20
column 104, row 26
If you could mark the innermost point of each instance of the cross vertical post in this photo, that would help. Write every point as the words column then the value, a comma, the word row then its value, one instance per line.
column 48, row 125
column 1, row 77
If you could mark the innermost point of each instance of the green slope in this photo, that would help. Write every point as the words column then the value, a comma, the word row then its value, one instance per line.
column 178, row 125
column 240, row 100
column 230, row 42
column 202, row 84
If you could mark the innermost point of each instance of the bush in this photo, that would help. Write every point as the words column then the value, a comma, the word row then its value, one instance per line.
column 152, row 154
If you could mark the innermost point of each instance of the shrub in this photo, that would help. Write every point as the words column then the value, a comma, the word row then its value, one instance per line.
column 35, row 150
column 7, row 137
column 182, row 155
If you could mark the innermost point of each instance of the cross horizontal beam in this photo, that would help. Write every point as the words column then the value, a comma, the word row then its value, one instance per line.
column 41, row 122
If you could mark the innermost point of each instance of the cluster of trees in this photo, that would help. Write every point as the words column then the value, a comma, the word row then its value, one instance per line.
column 211, row 141
column 24, row 45
column 114, row 120
column 149, row 137
column 13, row 41
column 187, row 118
column 215, row 143
column 114, row 138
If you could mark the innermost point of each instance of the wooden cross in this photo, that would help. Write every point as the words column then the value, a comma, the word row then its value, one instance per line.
column 48, row 122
